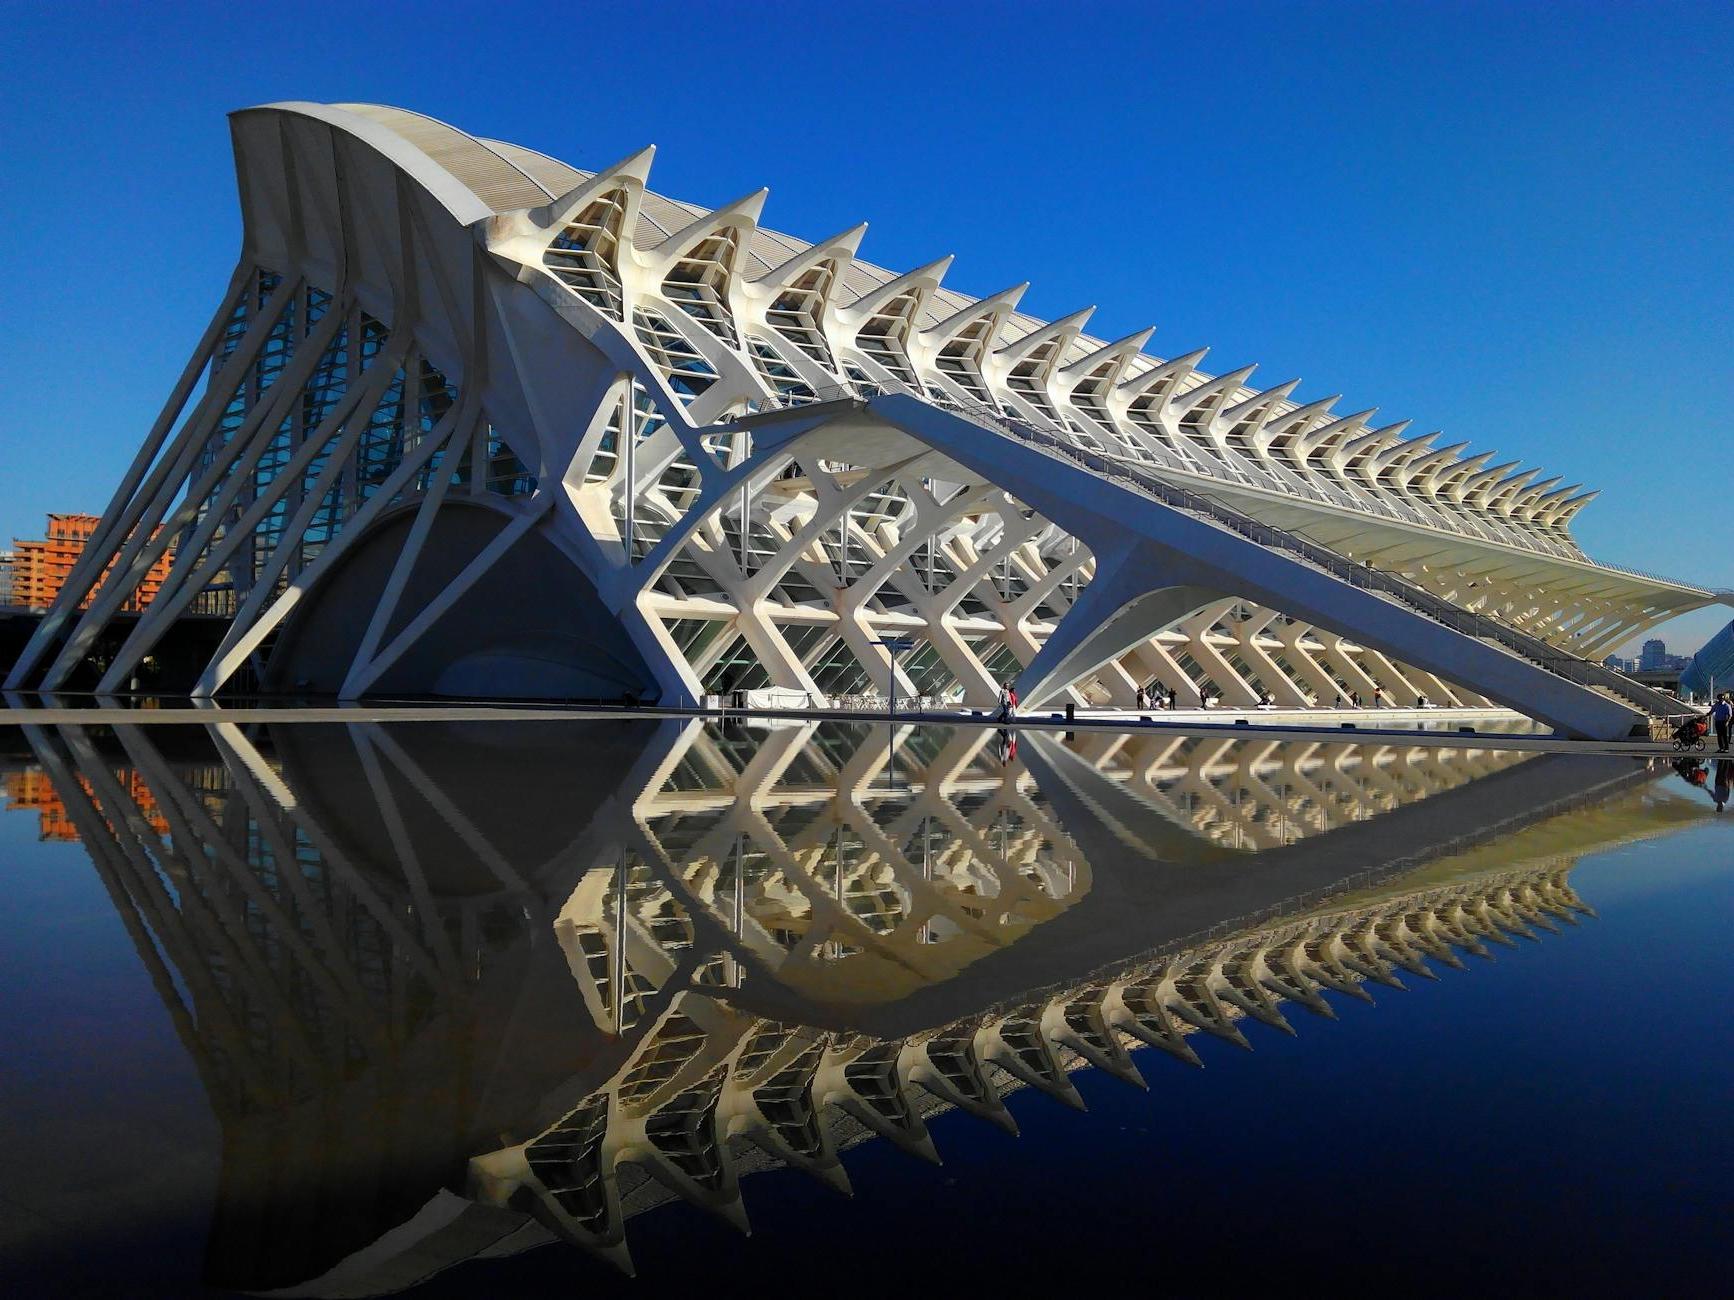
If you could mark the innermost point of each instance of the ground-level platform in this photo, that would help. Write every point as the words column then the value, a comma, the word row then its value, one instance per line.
column 1480, row 728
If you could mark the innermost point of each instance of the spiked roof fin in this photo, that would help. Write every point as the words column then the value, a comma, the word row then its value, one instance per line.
column 631, row 173
column 1174, row 371
column 1065, row 329
column 998, row 306
column 1121, row 352
column 742, row 214
column 923, row 278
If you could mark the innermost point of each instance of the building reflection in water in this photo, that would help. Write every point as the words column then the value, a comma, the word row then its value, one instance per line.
column 500, row 983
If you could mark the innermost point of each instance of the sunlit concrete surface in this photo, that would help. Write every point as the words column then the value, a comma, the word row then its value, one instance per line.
column 471, row 421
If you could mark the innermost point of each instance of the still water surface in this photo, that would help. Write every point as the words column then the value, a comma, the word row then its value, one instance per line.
column 468, row 1009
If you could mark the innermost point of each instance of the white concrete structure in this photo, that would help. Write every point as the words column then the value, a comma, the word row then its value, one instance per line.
column 470, row 421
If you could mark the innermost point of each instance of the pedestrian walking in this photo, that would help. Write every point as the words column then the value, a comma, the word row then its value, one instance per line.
column 1722, row 714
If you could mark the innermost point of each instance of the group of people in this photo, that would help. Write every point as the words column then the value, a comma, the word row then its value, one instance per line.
column 1153, row 697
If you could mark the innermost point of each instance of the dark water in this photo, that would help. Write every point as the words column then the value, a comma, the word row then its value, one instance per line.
column 344, row 1010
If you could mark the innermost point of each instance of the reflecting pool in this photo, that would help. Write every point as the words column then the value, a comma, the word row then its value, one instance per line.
column 469, row 1008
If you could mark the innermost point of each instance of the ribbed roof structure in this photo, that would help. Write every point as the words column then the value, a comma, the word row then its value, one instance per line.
column 653, row 449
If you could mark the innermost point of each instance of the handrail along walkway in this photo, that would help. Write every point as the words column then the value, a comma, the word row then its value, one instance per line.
column 1561, row 663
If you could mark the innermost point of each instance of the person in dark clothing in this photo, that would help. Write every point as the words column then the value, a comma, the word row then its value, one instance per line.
column 1723, row 716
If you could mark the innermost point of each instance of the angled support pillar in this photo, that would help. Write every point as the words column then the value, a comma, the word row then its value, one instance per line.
column 1124, row 605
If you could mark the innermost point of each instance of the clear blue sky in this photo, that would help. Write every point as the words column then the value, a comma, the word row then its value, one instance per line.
column 1513, row 223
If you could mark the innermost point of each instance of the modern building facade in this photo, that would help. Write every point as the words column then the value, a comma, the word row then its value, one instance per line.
column 471, row 421
column 1712, row 668
column 35, row 571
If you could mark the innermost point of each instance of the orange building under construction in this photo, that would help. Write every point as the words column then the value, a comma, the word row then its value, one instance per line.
column 40, row 568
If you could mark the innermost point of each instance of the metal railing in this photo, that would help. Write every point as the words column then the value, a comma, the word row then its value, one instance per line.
column 1553, row 659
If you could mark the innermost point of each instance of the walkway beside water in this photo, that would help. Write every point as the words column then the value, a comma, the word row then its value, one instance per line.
column 1482, row 728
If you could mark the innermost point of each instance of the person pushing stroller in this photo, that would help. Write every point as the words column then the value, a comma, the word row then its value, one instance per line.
column 1690, row 733
column 1722, row 714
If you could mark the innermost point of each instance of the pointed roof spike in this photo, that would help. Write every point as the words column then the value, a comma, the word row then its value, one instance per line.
column 1066, row 328
column 1348, row 424
column 1175, row 367
column 1223, row 387
column 1003, row 302
column 1444, row 453
column 843, row 245
column 1542, row 488
column 743, row 212
column 833, row 1175
column 734, row 1211
column 1390, row 450
column 1272, row 396
column 930, row 275
column 923, row 1148
column 618, row 1255
column 1297, row 417
column 1529, row 501
column 1370, row 441
column 1509, row 487
column 634, row 168
column 1320, row 407
column 1229, row 380
column 1463, row 471
column 1121, row 350
column 1477, row 482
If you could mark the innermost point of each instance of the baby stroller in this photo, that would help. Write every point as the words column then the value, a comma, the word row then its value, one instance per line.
column 1690, row 734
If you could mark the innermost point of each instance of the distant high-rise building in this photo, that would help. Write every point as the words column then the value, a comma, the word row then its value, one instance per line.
column 40, row 568
column 7, row 559
column 1654, row 656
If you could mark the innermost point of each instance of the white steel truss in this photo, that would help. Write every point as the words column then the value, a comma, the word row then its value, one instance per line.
column 474, row 421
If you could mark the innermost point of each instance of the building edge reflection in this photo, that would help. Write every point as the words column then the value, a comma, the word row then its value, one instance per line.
column 373, row 1001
